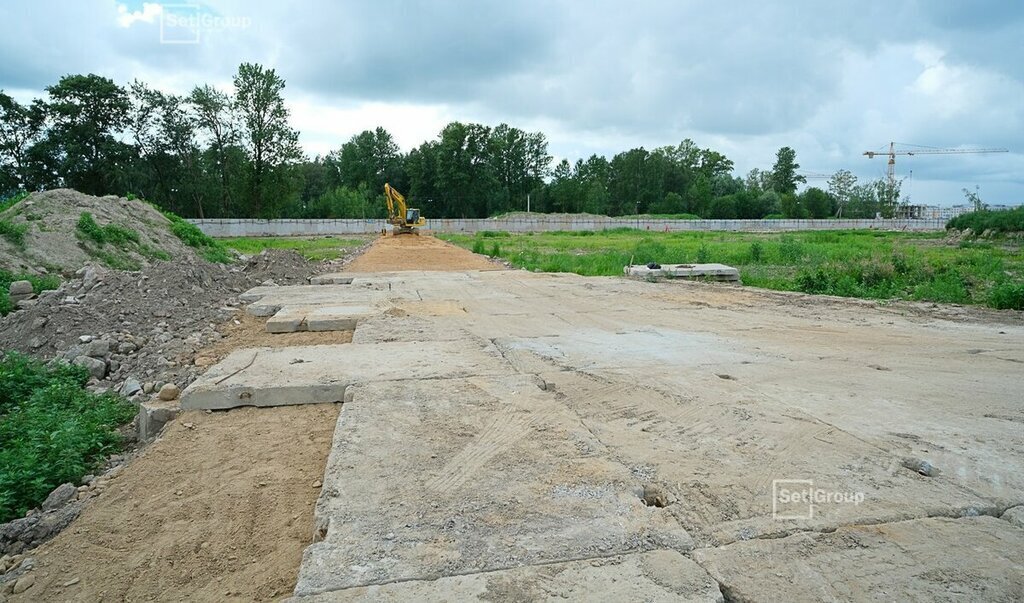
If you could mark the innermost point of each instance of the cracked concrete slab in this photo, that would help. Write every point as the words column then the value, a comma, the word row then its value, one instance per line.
column 312, row 374
column 657, row 576
column 935, row 559
column 449, row 477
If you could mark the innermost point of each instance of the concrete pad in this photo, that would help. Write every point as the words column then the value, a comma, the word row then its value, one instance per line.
column 380, row 329
column 432, row 479
column 313, row 374
column 969, row 559
column 726, row 457
column 655, row 576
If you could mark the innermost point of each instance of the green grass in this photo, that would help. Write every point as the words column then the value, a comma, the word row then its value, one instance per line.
column 312, row 248
column 39, row 284
column 865, row 264
column 211, row 250
column 52, row 430
column 114, row 234
column 15, row 233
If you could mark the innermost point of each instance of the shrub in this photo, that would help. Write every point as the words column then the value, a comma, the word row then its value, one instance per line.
column 703, row 254
column 52, row 430
column 478, row 246
column 1000, row 222
column 495, row 250
column 190, row 235
column 790, row 250
column 756, row 252
column 491, row 234
column 1007, row 296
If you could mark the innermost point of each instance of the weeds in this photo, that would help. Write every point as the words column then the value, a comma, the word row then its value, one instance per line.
column 115, row 234
column 15, row 233
column 997, row 222
column 52, row 430
column 876, row 265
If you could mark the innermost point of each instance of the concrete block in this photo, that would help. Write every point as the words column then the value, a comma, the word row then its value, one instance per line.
column 337, row 318
column 287, row 320
column 312, row 374
column 659, row 576
column 153, row 415
column 716, row 272
column 331, row 279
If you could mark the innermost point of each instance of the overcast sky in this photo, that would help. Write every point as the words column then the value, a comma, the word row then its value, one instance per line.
column 830, row 79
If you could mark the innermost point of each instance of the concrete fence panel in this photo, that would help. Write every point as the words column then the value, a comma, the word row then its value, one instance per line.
column 230, row 227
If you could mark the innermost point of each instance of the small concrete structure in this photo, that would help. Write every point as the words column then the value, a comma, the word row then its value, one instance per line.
column 713, row 272
column 323, row 318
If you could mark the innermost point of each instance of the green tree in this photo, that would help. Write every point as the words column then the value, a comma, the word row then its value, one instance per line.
column 372, row 158
column 817, row 203
column 272, row 144
column 783, row 178
column 21, row 127
column 216, row 122
column 88, row 112
column 840, row 187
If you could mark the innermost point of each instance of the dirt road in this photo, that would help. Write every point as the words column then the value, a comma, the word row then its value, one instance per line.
column 412, row 252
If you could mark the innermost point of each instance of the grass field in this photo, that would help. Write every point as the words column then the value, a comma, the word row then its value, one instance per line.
column 313, row 248
column 866, row 264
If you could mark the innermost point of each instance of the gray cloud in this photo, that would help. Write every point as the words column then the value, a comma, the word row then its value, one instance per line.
column 745, row 77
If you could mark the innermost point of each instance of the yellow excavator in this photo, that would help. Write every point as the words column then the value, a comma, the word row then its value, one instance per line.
column 404, row 220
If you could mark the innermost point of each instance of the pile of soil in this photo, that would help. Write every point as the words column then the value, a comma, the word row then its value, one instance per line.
column 54, row 244
column 145, row 326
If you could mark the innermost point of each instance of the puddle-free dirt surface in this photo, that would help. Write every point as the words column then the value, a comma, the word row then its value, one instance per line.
column 417, row 252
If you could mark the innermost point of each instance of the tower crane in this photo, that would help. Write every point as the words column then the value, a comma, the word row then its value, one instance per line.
column 893, row 152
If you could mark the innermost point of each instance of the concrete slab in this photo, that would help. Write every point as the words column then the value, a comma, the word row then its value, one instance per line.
column 714, row 272
column 312, row 374
column 968, row 559
column 432, row 479
column 288, row 320
column 656, row 576
column 331, row 279
column 291, row 319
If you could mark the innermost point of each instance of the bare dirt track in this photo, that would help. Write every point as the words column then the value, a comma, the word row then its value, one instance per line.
column 218, row 509
column 412, row 252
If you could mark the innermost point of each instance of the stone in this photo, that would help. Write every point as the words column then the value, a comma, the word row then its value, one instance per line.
column 24, row 583
column 148, row 387
column 1015, row 516
column 98, row 348
column 85, row 338
column 97, row 368
column 39, row 322
column 169, row 392
column 130, row 387
column 126, row 348
column 20, row 289
column 60, row 496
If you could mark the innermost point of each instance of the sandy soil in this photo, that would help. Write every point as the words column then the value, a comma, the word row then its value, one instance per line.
column 423, row 252
column 219, row 511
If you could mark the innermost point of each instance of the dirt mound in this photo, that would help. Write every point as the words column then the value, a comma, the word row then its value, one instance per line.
column 144, row 326
column 53, row 241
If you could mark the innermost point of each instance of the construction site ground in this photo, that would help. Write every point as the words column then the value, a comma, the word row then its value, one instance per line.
column 491, row 434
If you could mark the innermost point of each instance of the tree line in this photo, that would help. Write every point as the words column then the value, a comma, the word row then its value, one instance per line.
column 213, row 153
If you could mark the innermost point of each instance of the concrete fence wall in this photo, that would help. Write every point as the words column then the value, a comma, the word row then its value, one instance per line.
column 542, row 223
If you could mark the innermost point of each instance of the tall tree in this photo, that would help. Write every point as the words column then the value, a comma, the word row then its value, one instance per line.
column 783, row 177
column 216, row 120
column 88, row 111
column 271, row 142
column 840, row 187
column 372, row 158
column 21, row 127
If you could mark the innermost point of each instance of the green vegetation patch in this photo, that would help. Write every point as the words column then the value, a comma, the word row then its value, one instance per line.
column 15, row 233
column 316, row 249
column 52, row 430
column 996, row 222
column 114, row 234
column 39, row 284
column 209, row 248
column 864, row 264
